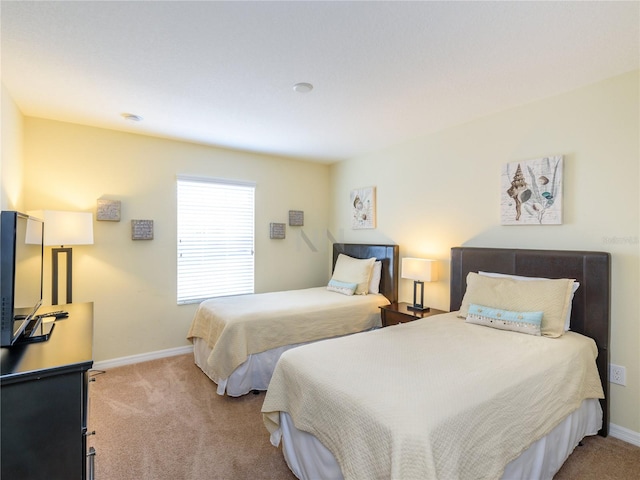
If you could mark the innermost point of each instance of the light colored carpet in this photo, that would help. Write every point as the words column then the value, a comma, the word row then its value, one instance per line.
column 163, row 420
column 602, row 458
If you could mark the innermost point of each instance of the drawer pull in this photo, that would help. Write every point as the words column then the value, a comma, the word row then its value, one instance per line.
column 92, row 458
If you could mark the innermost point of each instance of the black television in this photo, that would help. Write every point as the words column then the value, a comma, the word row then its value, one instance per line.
column 21, row 264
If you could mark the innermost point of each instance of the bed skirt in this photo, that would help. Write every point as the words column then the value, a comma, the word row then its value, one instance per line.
column 254, row 374
column 308, row 459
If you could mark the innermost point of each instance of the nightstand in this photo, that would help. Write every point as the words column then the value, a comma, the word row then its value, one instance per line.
column 396, row 313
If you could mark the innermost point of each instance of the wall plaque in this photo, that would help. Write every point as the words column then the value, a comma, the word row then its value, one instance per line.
column 108, row 210
column 296, row 218
column 277, row 230
column 141, row 229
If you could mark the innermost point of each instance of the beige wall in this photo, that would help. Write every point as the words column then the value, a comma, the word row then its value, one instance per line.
column 133, row 283
column 442, row 190
column 11, row 178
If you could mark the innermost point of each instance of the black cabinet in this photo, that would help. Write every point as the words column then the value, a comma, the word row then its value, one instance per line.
column 44, row 401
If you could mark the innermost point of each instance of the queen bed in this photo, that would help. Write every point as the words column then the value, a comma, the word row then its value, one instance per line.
column 468, row 394
column 238, row 340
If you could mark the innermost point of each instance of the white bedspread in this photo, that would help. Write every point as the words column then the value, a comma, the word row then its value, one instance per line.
column 235, row 327
column 434, row 398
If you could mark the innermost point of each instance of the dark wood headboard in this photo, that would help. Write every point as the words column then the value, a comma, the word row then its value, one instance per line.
column 387, row 254
column 590, row 313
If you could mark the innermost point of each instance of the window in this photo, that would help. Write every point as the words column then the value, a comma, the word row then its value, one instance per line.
column 215, row 238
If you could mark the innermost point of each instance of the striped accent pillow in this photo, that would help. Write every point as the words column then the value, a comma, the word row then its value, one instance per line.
column 342, row 287
column 523, row 322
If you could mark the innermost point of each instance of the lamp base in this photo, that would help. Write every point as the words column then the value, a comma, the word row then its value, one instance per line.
column 418, row 308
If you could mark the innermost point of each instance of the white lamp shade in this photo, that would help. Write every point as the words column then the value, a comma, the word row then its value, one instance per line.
column 420, row 269
column 66, row 228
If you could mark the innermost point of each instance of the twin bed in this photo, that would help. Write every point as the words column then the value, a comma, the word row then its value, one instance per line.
column 444, row 397
column 238, row 340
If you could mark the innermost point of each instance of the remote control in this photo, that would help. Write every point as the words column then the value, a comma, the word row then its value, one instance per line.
column 57, row 314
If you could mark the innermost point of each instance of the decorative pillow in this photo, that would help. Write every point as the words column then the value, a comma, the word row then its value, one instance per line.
column 576, row 285
column 552, row 297
column 376, row 273
column 354, row 270
column 342, row 287
column 523, row 322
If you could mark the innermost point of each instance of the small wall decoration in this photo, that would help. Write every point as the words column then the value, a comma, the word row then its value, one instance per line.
column 296, row 218
column 531, row 192
column 363, row 208
column 141, row 229
column 108, row 210
column 277, row 230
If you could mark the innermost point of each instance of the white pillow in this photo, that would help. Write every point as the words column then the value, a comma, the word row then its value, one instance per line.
column 376, row 273
column 567, row 320
column 354, row 270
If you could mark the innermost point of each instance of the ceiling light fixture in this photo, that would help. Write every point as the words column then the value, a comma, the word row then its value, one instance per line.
column 131, row 117
column 303, row 87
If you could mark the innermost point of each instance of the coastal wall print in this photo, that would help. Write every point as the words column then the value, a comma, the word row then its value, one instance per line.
column 531, row 192
column 363, row 208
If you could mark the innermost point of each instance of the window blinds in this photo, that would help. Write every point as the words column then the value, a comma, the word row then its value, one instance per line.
column 215, row 238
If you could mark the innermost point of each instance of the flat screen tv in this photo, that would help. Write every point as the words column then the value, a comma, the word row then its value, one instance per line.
column 21, row 262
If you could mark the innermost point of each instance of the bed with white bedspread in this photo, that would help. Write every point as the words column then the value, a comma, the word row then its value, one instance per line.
column 238, row 339
column 445, row 397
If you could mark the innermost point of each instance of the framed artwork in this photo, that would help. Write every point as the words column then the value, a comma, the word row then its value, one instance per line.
column 531, row 192
column 363, row 208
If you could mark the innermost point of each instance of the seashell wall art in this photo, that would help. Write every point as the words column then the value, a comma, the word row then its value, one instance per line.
column 363, row 208
column 531, row 192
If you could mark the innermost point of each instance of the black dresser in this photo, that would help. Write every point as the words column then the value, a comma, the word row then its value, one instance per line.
column 44, row 401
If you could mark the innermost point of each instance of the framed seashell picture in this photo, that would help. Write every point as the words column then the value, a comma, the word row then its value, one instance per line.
column 531, row 192
column 363, row 208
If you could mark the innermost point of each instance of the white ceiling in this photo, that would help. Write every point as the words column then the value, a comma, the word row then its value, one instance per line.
column 221, row 73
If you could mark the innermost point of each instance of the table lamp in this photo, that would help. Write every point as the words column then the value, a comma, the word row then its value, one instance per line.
column 64, row 228
column 419, row 270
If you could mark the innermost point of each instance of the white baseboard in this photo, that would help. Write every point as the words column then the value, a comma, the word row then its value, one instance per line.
column 624, row 434
column 143, row 357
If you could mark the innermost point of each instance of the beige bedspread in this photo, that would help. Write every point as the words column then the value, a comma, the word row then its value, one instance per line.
column 434, row 398
column 236, row 327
